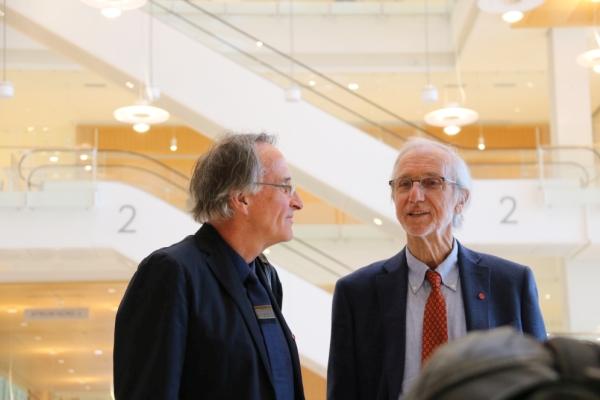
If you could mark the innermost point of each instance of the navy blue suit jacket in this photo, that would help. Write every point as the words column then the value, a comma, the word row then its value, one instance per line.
column 366, row 358
column 185, row 329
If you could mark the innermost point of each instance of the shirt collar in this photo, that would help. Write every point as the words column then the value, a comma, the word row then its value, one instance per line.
column 448, row 270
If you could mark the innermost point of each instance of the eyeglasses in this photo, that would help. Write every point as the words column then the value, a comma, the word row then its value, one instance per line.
column 428, row 183
column 288, row 188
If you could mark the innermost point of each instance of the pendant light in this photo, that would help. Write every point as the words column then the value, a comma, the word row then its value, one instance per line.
column 512, row 10
column 114, row 8
column 142, row 115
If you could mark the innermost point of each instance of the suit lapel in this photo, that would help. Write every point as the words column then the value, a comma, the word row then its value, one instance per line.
column 225, row 272
column 392, row 284
column 475, row 286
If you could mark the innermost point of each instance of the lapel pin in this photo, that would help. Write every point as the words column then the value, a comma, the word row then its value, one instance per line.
column 481, row 296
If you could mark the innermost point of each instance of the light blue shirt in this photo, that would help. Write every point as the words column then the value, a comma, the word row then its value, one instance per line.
column 417, row 294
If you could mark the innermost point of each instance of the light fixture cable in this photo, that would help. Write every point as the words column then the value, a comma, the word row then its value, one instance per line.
column 426, row 28
column 292, row 49
column 4, row 41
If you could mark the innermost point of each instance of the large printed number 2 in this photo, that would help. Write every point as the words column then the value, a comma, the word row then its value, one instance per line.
column 513, row 206
column 126, row 228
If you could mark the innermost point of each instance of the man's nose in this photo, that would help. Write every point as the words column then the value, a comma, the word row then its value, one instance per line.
column 416, row 192
column 296, row 201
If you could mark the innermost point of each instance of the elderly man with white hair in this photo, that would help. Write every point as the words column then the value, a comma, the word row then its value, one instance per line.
column 390, row 316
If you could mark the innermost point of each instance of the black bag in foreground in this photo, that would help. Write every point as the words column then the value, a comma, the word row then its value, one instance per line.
column 503, row 364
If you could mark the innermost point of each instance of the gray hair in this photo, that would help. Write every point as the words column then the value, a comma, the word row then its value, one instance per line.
column 231, row 165
column 459, row 171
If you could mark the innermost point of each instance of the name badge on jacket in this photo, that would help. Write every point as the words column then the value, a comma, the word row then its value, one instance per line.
column 264, row 312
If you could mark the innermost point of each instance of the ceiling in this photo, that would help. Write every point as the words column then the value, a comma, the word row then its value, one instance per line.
column 60, row 355
column 503, row 71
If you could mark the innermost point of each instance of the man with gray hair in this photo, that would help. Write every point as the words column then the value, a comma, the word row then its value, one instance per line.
column 390, row 316
column 202, row 319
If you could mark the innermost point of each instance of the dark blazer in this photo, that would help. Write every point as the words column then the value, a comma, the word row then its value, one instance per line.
column 186, row 329
column 366, row 356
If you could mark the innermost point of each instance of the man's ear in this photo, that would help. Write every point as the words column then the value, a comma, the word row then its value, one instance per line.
column 239, row 202
column 462, row 201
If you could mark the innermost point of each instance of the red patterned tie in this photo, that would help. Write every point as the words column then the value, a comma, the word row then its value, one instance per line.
column 435, row 324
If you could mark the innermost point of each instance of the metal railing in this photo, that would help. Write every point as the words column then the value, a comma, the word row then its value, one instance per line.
column 34, row 168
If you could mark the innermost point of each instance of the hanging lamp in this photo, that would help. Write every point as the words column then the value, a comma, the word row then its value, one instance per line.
column 142, row 114
column 114, row 8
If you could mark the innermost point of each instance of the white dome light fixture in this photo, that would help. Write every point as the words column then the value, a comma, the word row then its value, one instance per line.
column 451, row 118
column 590, row 59
column 512, row 16
column 452, row 130
column 293, row 93
column 141, row 116
column 429, row 94
column 114, row 8
column 512, row 10
column 7, row 90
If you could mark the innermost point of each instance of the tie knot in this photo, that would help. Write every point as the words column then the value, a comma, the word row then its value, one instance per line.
column 434, row 279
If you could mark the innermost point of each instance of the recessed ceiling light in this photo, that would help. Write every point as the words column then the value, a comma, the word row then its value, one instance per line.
column 377, row 221
column 84, row 157
column 596, row 68
column 267, row 251
column 60, row 361
column 30, row 128
column 517, row 110
column 353, row 86
column 547, row 296
column 53, row 159
column 129, row 84
column 98, row 352
column 259, row 44
column 11, row 310
column 52, row 352
column 111, row 290
column 71, row 371
column 529, row 84
column 87, row 168
column 311, row 83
